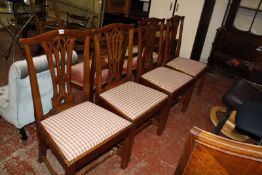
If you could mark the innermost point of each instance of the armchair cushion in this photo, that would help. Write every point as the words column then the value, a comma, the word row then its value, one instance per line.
column 17, row 106
column 95, row 123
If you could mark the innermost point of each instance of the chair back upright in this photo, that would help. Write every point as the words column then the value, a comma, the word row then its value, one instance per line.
column 58, row 46
column 111, row 44
column 150, row 44
column 173, row 37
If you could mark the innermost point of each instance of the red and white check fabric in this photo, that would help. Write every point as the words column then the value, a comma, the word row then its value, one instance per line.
column 77, row 74
column 133, row 99
column 167, row 79
column 188, row 66
column 82, row 127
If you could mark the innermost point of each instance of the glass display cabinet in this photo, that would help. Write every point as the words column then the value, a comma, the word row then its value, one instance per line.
column 237, row 48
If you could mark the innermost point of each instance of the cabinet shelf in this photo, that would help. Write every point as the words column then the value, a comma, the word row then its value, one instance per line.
column 249, row 8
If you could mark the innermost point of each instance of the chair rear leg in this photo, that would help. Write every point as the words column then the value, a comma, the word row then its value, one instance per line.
column 201, row 83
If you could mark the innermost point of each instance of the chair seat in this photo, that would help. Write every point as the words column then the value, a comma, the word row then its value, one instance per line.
column 249, row 118
column 188, row 66
column 80, row 129
column 167, row 79
column 133, row 99
column 4, row 96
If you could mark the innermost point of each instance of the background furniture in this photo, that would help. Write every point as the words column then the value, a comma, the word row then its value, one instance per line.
column 241, row 92
column 249, row 120
column 205, row 153
column 78, row 134
column 125, row 11
column 16, row 105
column 74, row 21
column 237, row 46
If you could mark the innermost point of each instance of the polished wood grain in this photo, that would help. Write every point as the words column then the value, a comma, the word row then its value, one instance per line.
column 206, row 153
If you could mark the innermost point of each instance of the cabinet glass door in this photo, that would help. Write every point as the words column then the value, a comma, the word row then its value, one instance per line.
column 249, row 16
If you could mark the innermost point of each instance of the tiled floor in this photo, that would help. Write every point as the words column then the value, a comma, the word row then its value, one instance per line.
column 152, row 154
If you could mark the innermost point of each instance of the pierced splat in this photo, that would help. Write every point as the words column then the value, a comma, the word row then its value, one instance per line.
column 115, row 48
column 115, row 37
column 58, row 46
column 59, row 55
column 150, row 35
column 172, row 39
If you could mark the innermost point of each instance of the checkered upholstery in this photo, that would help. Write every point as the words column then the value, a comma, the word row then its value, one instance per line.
column 167, row 79
column 133, row 99
column 188, row 66
column 80, row 128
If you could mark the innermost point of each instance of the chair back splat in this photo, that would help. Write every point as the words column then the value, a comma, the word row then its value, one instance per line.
column 79, row 133
column 59, row 50
column 111, row 44
column 150, row 44
column 173, row 38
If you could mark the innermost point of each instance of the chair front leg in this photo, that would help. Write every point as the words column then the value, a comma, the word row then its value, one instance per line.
column 187, row 98
column 164, row 115
column 201, row 83
column 128, row 146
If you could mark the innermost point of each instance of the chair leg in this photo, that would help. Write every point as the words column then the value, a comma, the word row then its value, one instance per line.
column 186, row 99
column 222, row 122
column 70, row 170
column 128, row 146
column 163, row 118
column 201, row 83
column 42, row 148
column 23, row 135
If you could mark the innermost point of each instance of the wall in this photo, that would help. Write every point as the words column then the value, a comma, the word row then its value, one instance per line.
column 215, row 23
column 192, row 10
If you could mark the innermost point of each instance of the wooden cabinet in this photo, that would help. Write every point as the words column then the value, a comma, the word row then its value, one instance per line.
column 119, row 6
column 125, row 11
column 237, row 46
